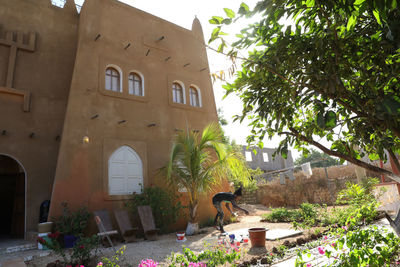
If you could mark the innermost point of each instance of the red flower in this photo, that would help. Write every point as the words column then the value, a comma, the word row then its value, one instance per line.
column 81, row 246
column 41, row 240
column 54, row 235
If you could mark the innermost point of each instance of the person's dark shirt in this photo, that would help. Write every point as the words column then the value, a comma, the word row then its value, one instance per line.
column 224, row 197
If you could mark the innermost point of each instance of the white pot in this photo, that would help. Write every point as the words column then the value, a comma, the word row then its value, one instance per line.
column 192, row 228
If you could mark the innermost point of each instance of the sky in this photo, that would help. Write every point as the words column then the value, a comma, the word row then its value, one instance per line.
column 182, row 13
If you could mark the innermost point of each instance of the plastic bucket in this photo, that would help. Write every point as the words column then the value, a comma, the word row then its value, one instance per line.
column 257, row 237
column 180, row 236
column 46, row 238
column 69, row 241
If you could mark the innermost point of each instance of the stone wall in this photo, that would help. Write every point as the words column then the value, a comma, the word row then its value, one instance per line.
column 316, row 189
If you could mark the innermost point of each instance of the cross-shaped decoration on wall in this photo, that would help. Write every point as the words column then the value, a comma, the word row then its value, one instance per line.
column 15, row 44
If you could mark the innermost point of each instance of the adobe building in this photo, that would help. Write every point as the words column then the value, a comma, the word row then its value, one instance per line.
column 90, row 103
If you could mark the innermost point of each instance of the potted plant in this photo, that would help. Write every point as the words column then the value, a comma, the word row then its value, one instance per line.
column 72, row 224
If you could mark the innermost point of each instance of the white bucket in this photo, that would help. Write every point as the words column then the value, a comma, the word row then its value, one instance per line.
column 45, row 237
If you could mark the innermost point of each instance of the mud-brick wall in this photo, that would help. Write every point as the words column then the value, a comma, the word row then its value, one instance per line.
column 316, row 189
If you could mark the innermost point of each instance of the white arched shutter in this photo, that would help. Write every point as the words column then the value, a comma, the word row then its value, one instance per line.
column 125, row 172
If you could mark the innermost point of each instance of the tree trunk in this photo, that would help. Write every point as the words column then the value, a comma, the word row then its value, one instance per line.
column 193, row 226
column 357, row 162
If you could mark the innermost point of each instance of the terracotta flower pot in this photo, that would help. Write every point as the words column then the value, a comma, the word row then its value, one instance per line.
column 257, row 237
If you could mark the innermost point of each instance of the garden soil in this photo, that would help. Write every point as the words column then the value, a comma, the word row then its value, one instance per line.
column 162, row 248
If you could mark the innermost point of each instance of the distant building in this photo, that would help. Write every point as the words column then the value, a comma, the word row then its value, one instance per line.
column 263, row 159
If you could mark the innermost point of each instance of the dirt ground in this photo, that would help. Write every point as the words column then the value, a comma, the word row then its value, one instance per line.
column 162, row 248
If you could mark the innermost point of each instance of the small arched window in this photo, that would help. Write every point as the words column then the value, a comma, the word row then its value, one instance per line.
column 194, row 96
column 177, row 93
column 135, row 84
column 113, row 80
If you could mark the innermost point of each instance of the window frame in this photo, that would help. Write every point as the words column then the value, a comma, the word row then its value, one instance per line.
column 198, row 94
column 109, row 175
column 119, row 71
column 174, row 90
column 142, row 89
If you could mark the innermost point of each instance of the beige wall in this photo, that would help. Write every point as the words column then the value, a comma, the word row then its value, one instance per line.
column 81, row 175
column 63, row 73
column 46, row 73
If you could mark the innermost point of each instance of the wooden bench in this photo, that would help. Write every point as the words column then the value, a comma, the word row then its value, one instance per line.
column 128, row 232
column 147, row 220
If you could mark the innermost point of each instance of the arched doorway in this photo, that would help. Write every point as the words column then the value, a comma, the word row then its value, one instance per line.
column 12, row 198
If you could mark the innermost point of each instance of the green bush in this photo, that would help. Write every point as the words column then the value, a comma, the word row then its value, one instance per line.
column 282, row 215
column 72, row 222
column 210, row 257
column 164, row 204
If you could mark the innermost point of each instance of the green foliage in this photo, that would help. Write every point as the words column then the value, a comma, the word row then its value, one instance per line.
column 281, row 215
column 115, row 260
column 199, row 161
column 72, row 223
column 213, row 256
column 372, row 246
column 164, row 204
column 354, row 194
column 333, row 73
column 81, row 253
column 314, row 155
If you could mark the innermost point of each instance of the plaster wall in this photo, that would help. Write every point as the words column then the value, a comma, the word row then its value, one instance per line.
column 146, row 124
column 45, row 73
column 276, row 163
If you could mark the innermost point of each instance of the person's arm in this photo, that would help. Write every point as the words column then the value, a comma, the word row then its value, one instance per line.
column 239, row 208
column 228, row 207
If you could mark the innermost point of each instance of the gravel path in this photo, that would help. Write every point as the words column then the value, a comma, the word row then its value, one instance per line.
column 160, row 249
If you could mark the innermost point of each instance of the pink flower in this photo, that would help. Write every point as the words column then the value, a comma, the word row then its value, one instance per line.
column 148, row 263
column 308, row 265
column 271, row 254
column 325, row 237
column 321, row 250
column 344, row 227
column 99, row 264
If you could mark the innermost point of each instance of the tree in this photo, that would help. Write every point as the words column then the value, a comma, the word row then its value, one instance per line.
column 333, row 74
column 317, row 158
column 198, row 162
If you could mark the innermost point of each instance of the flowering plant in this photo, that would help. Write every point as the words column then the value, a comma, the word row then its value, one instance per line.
column 79, row 255
column 148, row 263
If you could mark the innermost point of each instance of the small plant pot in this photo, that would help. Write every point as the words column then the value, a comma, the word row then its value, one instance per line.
column 69, row 241
column 257, row 237
column 180, row 237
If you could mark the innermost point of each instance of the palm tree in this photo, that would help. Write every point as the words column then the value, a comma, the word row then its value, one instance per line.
column 198, row 162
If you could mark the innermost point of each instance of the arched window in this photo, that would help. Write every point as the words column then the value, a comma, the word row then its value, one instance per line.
column 135, row 84
column 113, row 80
column 177, row 93
column 194, row 96
column 125, row 172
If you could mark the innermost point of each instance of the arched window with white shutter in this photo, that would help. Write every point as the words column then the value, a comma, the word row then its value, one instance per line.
column 125, row 172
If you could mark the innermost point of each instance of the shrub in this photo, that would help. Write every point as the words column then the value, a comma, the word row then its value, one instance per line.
column 281, row 215
column 165, row 206
column 209, row 257
column 72, row 223
column 113, row 261
column 372, row 246
column 80, row 254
